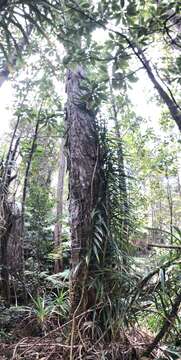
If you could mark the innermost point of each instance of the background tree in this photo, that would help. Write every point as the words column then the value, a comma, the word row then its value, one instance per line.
column 118, row 160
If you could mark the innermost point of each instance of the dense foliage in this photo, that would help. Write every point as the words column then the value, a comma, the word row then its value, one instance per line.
column 91, row 255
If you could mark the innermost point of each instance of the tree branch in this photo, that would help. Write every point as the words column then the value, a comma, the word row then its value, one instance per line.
column 4, row 73
column 166, row 325
column 174, row 111
column 176, row 247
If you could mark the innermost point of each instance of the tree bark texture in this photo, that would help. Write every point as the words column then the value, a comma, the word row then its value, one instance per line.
column 5, row 228
column 83, row 165
column 7, row 216
column 58, row 266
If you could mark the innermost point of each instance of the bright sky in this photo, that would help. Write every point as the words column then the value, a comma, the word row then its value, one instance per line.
column 141, row 92
column 6, row 98
column 140, row 95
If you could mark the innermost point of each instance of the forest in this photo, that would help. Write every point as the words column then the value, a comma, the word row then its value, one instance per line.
column 90, row 180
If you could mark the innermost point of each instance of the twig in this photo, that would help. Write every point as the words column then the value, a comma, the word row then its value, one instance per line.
column 59, row 328
column 46, row 344
column 52, row 352
column 15, row 349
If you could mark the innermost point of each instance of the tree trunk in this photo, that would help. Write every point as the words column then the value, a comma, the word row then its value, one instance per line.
column 25, row 187
column 26, row 178
column 170, row 205
column 121, row 169
column 83, row 165
column 58, row 266
column 178, row 182
column 6, row 178
column 7, row 218
column 28, row 166
column 4, row 252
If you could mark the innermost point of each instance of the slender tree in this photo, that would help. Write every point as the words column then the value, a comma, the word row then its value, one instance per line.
column 121, row 167
column 58, row 266
column 7, row 214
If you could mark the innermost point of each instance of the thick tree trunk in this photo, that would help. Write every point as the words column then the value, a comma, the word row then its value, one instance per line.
column 83, row 165
column 58, row 266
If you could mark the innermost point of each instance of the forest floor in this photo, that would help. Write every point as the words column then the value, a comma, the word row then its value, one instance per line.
column 129, row 346
column 22, row 337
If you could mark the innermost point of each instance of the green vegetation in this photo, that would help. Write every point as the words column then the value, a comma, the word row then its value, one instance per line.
column 90, row 180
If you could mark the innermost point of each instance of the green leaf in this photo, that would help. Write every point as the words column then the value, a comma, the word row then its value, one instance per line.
column 142, row 31
column 111, row 36
column 87, row 259
column 162, row 278
column 178, row 231
column 178, row 62
column 132, row 78
column 173, row 352
column 131, row 9
column 96, row 253
column 100, row 238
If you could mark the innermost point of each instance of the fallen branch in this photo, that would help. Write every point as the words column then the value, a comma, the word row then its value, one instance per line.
column 47, row 344
column 166, row 325
column 58, row 329
column 176, row 247
column 145, row 280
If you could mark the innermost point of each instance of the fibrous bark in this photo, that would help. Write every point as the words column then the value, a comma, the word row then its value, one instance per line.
column 83, row 165
column 7, row 213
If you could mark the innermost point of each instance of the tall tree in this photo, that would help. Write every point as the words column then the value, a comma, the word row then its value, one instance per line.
column 82, row 146
column 59, row 210
column 121, row 168
column 7, row 211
